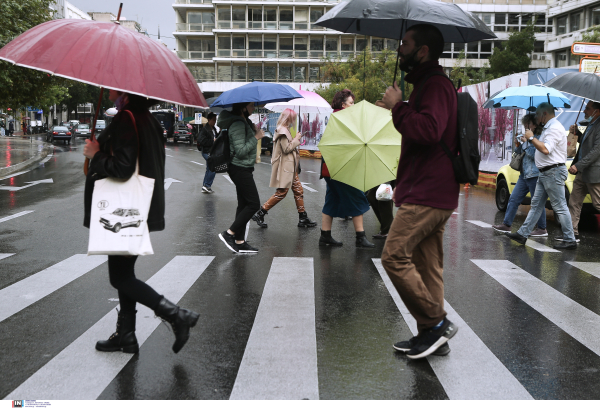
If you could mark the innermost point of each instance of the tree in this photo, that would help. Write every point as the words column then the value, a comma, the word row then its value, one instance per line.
column 21, row 87
column 369, row 77
column 463, row 72
column 591, row 35
column 80, row 93
column 514, row 57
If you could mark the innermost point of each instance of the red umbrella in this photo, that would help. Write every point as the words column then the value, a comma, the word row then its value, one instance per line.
column 106, row 55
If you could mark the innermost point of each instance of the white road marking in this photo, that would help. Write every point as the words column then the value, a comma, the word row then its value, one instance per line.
column 471, row 370
column 530, row 243
column 168, row 155
column 593, row 268
column 480, row 223
column 29, row 184
column 455, row 213
column 280, row 360
column 199, row 164
column 166, row 148
column 27, row 171
column 247, row 229
column 228, row 178
column 79, row 372
column 576, row 320
column 309, row 171
column 15, row 216
column 2, row 256
column 304, row 185
column 169, row 181
column 26, row 292
column 46, row 159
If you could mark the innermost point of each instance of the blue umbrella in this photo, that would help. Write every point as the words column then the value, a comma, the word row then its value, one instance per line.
column 524, row 97
column 258, row 92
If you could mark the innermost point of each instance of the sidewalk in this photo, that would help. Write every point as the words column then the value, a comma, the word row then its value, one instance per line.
column 20, row 152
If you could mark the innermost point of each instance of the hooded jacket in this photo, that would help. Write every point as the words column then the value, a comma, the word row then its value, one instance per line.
column 118, row 156
column 242, row 143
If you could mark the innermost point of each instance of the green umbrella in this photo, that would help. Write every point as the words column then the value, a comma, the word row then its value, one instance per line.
column 361, row 146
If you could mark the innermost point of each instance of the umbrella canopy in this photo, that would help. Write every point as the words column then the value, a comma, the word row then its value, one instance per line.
column 106, row 55
column 523, row 97
column 258, row 92
column 582, row 84
column 391, row 19
column 361, row 146
column 309, row 103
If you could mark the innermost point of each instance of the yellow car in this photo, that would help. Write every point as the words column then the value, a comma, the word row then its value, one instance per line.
column 506, row 179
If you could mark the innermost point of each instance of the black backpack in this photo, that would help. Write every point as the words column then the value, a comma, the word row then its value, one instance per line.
column 219, row 156
column 466, row 162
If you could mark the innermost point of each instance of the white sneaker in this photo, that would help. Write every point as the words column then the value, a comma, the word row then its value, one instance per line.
column 562, row 239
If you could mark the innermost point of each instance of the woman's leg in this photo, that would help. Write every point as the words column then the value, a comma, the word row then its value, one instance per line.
column 298, row 194
column 326, row 222
column 358, row 223
column 249, row 202
column 279, row 195
column 131, row 290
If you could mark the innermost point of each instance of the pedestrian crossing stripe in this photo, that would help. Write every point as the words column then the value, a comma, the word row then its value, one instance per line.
column 79, row 372
column 530, row 243
column 2, row 256
column 593, row 268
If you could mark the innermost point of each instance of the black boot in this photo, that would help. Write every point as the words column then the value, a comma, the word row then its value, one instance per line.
column 305, row 222
column 123, row 338
column 182, row 320
column 327, row 240
column 362, row 241
column 259, row 217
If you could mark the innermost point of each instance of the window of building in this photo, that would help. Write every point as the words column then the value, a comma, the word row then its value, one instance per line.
column 203, row 73
column 255, row 46
column 486, row 18
column 285, row 73
column 472, row 50
column 447, row 51
column 224, row 43
column 361, row 43
column 255, row 18
column 300, row 73
column 561, row 25
column 255, row 72
column 500, row 28
column 595, row 17
column 486, row 46
column 331, row 46
column 391, row 44
column 301, row 19
column 270, row 46
column 238, row 45
column 540, row 19
column 347, row 47
column 575, row 22
column 561, row 59
column 500, row 19
column 239, row 73
column 206, row 17
column 513, row 19
column 224, row 72
column 314, row 74
column 286, row 19
column 270, row 19
column 201, row 48
column 376, row 44
column 316, row 44
column 224, row 16
column 301, row 47
column 270, row 73
column 238, row 17
column 286, row 47
column 315, row 14
column 538, row 46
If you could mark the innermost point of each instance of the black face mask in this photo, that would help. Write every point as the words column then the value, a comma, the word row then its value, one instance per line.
column 409, row 62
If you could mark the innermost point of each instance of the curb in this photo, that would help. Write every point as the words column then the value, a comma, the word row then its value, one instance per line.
column 32, row 161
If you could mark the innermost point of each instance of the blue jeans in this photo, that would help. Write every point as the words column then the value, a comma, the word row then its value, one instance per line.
column 209, row 176
column 551, row 183
column 521, row 189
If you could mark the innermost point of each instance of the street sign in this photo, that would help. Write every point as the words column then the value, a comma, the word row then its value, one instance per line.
column 590, row 65
column 180, row 116
column 580, row 48
column 261, row 110
column 198, row 118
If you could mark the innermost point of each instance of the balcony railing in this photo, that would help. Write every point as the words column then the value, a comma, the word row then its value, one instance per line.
column 269, row 25
column 276, row 54
column 194, row 27
column 196, row 55
column 193, row 2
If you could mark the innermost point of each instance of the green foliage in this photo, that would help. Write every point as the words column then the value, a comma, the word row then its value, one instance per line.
column 21, row 87
column 591, row 35
column 464, row 72
column 369, row 77
column 80, row 93
column 514, row 56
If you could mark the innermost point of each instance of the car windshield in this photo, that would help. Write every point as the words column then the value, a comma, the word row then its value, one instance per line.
column 83, row 127
column 60, row 129
column 119, row 211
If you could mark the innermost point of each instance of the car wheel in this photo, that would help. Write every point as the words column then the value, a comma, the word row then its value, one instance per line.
column 502, row 194
column 117, row 227
column 138, row 224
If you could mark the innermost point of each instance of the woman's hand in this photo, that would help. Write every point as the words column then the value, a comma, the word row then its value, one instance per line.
column 91, row 148
column 259, row 134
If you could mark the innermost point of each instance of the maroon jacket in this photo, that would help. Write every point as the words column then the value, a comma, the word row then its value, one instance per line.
column 425, row 174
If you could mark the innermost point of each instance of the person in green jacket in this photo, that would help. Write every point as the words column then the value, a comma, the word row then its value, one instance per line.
column 243, row 138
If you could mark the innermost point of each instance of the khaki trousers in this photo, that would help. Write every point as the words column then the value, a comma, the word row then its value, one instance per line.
column 580, row 190
column 413, row 258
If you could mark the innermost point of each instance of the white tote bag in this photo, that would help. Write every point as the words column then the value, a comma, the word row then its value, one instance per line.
column 118, row 223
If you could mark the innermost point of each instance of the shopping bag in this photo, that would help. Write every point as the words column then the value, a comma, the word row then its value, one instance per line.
column 118, row 223
column 571, row 145
column 384, row 192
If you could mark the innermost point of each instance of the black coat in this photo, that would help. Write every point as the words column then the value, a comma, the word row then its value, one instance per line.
column 206, row 138
column 118, row 155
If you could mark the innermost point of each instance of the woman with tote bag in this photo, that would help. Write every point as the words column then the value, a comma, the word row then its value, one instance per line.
column 133, row 138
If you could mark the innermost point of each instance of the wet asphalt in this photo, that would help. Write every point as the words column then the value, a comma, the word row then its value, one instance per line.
column 356, row 319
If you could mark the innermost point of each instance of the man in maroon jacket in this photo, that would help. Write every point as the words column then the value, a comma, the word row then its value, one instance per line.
column 426, row 190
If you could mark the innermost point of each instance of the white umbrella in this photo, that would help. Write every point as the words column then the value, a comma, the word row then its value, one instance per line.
column 309, row 103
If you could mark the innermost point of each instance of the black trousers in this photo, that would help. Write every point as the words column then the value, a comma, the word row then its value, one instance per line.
column 247, row 196
column 384, row 210
column 131, row 290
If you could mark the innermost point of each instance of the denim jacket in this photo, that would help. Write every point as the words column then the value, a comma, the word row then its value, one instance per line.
column 528, row 169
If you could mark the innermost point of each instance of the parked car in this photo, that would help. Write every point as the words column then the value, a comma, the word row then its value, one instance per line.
column 266, row 144
column 100, row 125
column 59, row 133
column 81, row 130
column 121, row 218
column 182, row 132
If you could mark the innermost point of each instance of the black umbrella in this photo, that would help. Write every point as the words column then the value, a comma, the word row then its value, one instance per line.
column 582, row 84
column 392, row 18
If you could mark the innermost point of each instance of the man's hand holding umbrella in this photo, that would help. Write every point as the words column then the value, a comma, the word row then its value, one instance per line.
column 392, row 96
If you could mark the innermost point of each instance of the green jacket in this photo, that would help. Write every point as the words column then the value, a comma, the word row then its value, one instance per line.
column 242, row 143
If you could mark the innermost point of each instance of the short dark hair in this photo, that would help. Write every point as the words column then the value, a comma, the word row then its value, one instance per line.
column 426, row 34
column 211, row 115
column 595, row 104
column 340, row 97
column 527, row 119
column 238, row 108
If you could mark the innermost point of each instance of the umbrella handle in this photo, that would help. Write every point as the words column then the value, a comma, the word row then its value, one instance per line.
column 86, row 164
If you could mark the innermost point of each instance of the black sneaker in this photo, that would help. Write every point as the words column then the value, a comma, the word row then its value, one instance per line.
column 517, row 237
column 406, row 345
column 245, row 248
column 229, row 240
column 565, row 245
column 431, row 340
